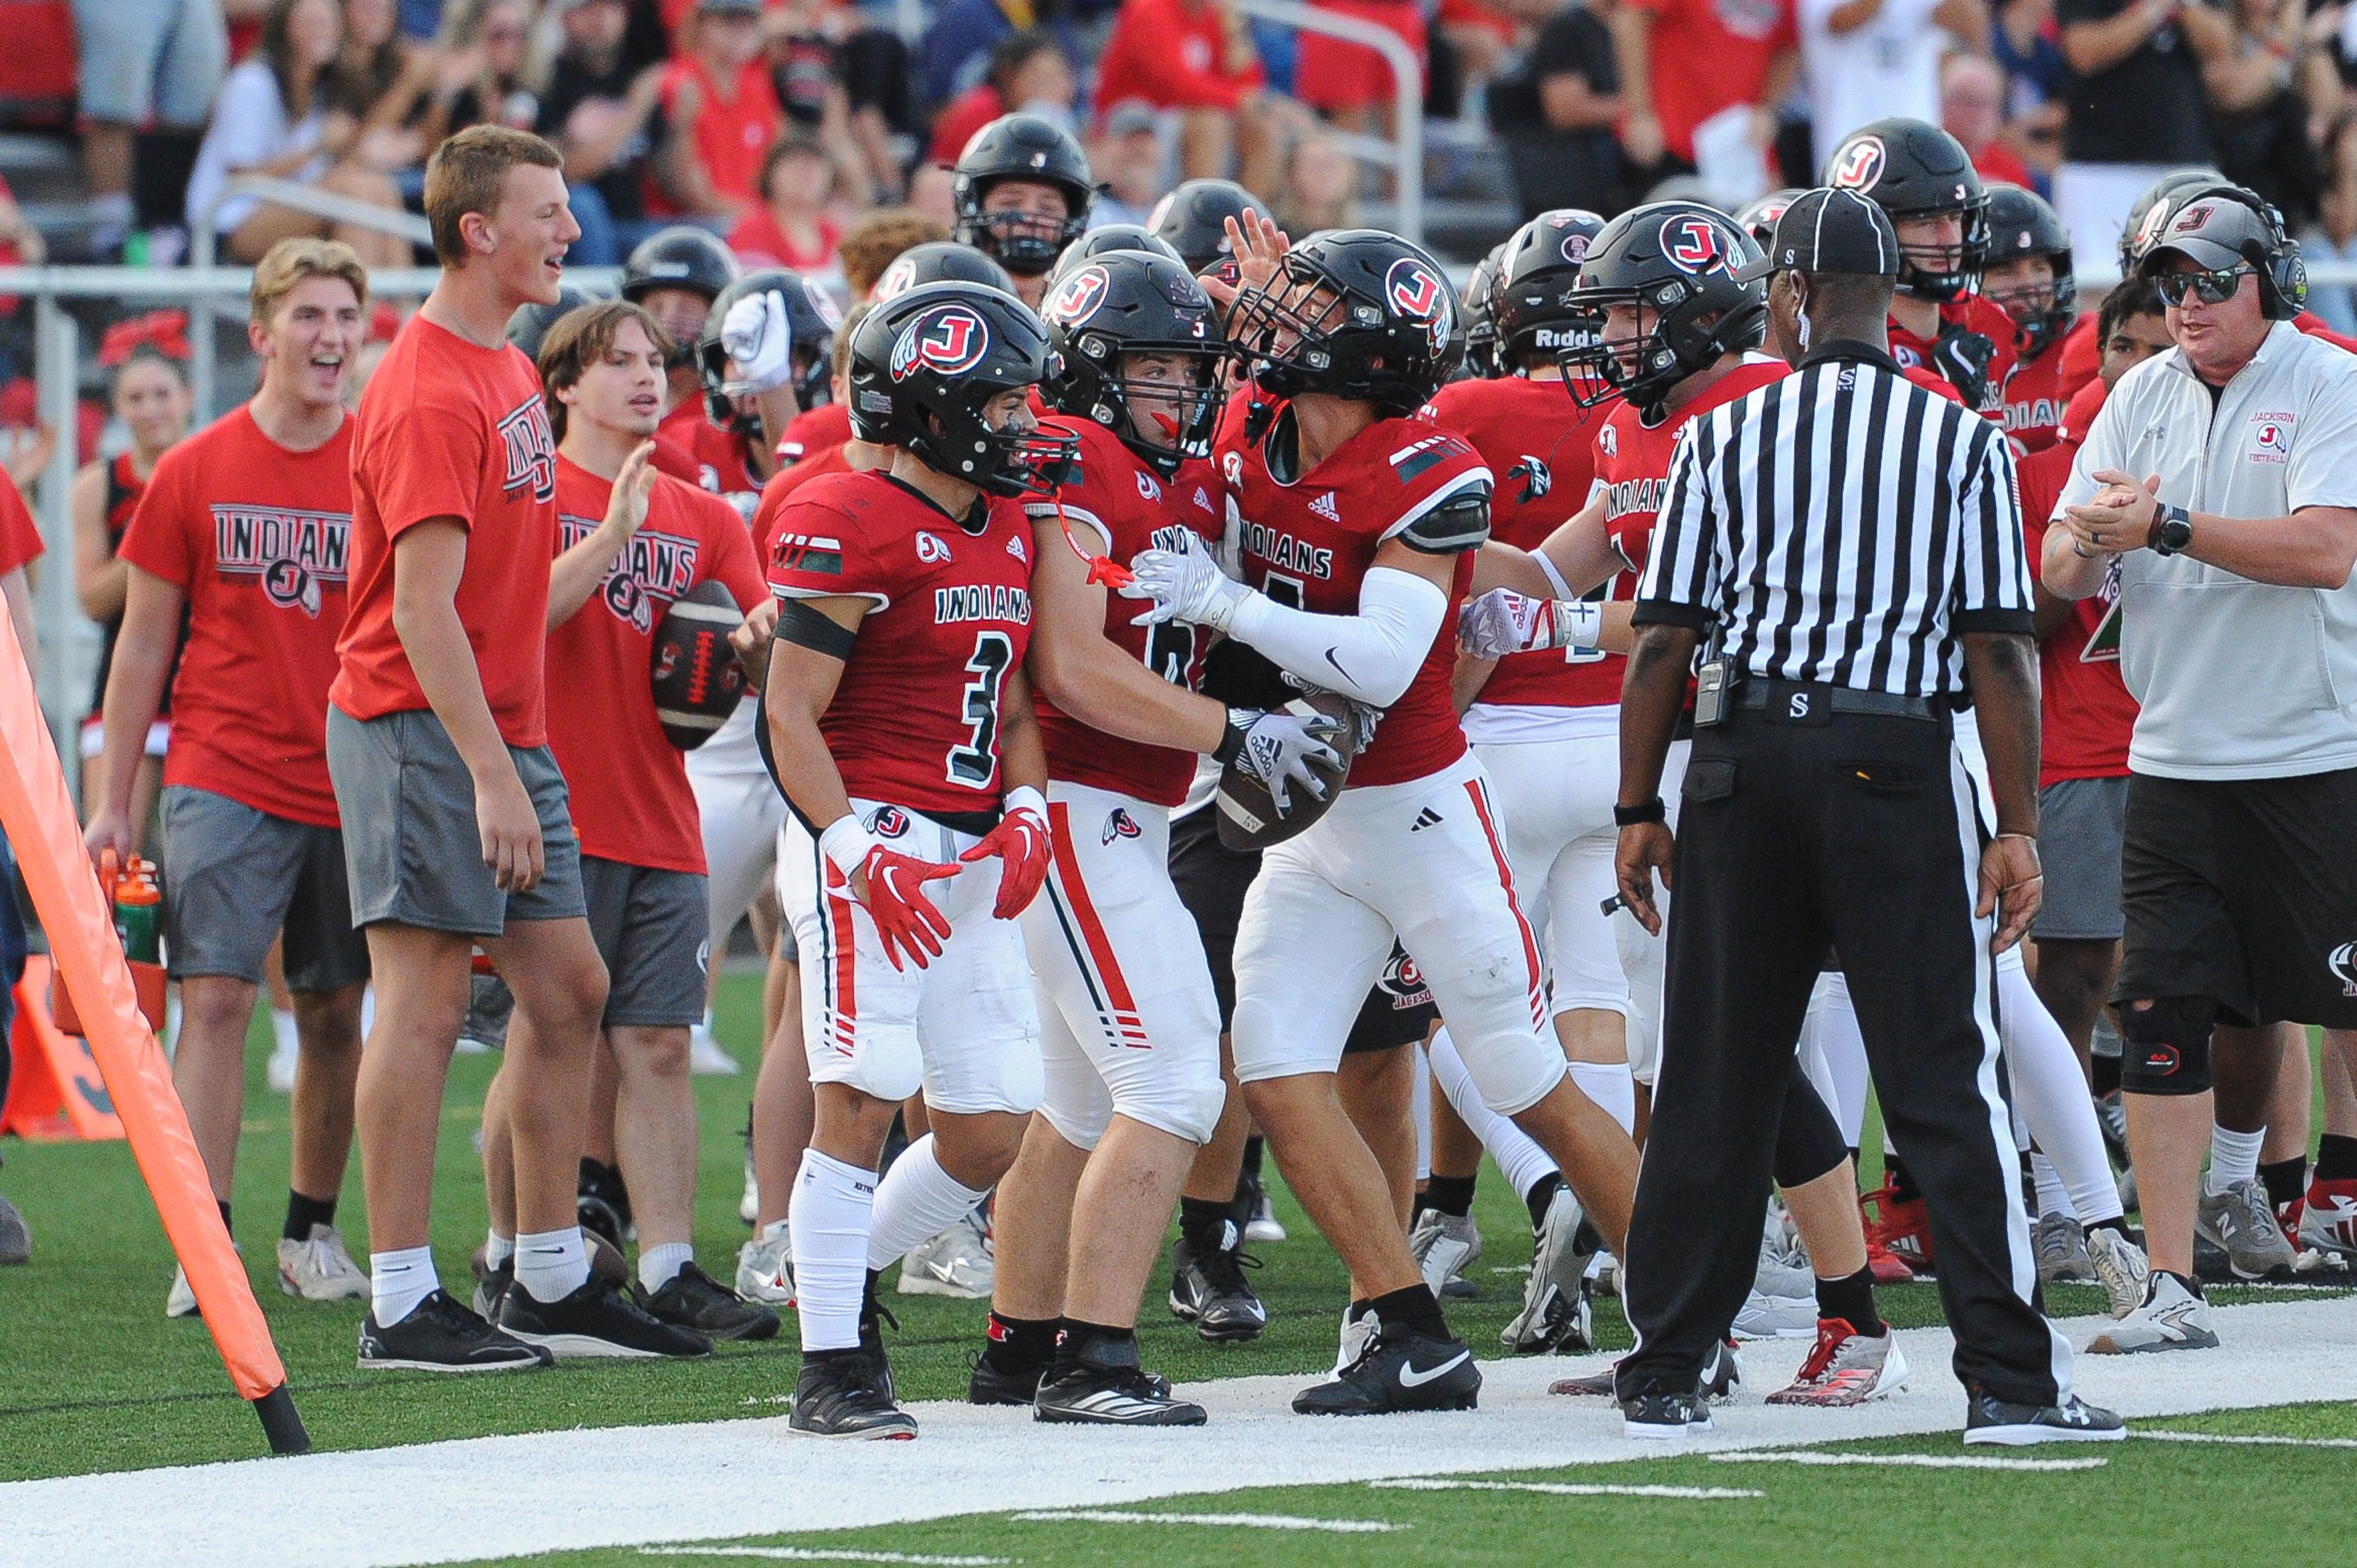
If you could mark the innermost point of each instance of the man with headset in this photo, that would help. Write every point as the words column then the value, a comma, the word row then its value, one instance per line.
column 2217, row 492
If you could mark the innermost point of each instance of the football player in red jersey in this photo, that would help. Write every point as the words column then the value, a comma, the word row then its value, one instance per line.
column 762, row 356
column 2029, row 277
column 1356, row 531
column 1670, row 288
column 1129, row 1025
column 900, row 729
column 1023, row 191
column 1921, row 176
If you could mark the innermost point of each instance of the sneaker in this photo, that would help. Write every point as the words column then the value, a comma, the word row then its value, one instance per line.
column 441, row 1335
column 595, row 1320
column 1988, row 1419
column 1767, row 1316
column 15, row 1236
column 957, row 1263
column 1846, row 1367
column 1208, row 1290
column 602, row 1202
column 490, row 1285
column 1665, row 1416
column 1555, row 1315
column 848, row 1393
column 1885, row 1265
column 2112, row 1117
column 2121, row 1268
column 2061, row 1250
column 1109, row 1389
column 2171, row 1317
column 489, row 1005
column 1264, row 1225
column 180, row 1301
column 1444, row 1246
column 989, row 1383
column 320, row 1269
column 1604, row 1273
column 1399, row 1370
column 1901, row 1226
column 694, row 1300
column 2329, row 1223
column 1359, row 1326
column 2241, row 1223
column 707, row 1057
column 2289, row 1214
column 765, row 1270
column 1722, row 1374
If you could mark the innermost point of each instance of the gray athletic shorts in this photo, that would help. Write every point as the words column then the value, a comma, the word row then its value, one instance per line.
column 2082, row 824
column 652, row 929
column 234, row 877
column 411, row 845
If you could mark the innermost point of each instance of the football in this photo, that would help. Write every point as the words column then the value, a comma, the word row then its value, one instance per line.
column 696, row 678
column 1248, row 816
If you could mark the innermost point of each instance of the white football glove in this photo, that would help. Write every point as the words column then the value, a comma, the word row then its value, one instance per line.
column 1185, row 585
column 1502, row 621
column 1276, row 748
column 760, row 343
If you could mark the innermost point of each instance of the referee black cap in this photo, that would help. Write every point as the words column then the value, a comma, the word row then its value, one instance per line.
column 1827, row 231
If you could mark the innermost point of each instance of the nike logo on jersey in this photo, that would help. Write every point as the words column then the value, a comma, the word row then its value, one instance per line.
column 1324, row 506
column 1410, row 1378
column 1428, row 818
column 1337, row 664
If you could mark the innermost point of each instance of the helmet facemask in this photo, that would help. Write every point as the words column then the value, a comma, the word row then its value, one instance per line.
column 1944, row 273
column 1281, row 331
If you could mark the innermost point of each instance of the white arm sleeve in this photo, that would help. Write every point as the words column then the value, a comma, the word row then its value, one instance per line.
column 1371, row 656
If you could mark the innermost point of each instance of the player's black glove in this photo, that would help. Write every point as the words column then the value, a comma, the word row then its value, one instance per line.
column 1963, row 356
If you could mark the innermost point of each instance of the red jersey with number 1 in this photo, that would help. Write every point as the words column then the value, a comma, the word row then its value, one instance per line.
column 1119, row 508
column 1632, row 469
column 915, row 720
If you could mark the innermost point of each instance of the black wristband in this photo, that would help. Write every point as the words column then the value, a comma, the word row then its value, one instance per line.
column 1652, row 810
column 805, row 627
column 1232, row 740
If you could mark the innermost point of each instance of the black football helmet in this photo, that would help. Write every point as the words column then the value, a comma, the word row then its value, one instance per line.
column 811, row 317
column 682, row 256
column 1110, row 236
column 2138, row 232
column 528, row 328
column 1193, row 219
column 1477, row 313
column 925, row 365
column 1911, row 168
column 1757, row 218
column 1536, row 313
column 2021, row 225
column 1129, row 302
column 1677, row 263
column 1353, row 312
column 1020, row 146
column 940, row 260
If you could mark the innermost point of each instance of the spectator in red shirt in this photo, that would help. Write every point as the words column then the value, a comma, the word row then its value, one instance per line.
column 1343, row 81
column 722, row 112
column 1028, row 71
column 1972, row 110
column 1195, row 58
column 1713, row 55
column 791, row 228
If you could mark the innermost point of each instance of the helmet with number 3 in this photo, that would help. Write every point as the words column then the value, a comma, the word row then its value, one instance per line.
column 1121, row 302
column 1679, row 266
column 1353, row 312
column 926, row 364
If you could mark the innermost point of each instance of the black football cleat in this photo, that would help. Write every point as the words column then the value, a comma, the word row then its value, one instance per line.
column 993, row 1384
column 441, row 1335
column 1108, row 1388
column 1659, row 1416
column 1400, row 1370
column 1990, row 1419
column 848, row 1393
column 1208, row 1289
column 595, row 1320
column 695, row 1301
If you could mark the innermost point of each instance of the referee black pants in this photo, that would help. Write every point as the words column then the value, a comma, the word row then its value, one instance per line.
column 1858, row 831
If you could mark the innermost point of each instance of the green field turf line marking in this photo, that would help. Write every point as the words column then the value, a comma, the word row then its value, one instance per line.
column 809, row 1555
column 1223, row 1520
column 2248, row 1440
column 1562, row 1488
column 1910, row 1461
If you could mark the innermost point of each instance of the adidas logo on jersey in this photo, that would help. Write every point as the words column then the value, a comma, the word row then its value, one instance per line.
column 1428, row 818
column 1015, row 548
column 1324, row 506
column 1204, row 500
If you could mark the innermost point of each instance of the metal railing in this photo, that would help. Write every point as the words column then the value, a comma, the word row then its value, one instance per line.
column 1404, row 152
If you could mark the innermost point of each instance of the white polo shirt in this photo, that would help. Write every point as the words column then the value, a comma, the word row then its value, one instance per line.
column 2236, row 678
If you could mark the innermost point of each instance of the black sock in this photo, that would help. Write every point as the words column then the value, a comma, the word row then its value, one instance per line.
column 1451, row 1195
column 1419, row 1209
column 302, row 1213
column 871, row 1311
column 2118, row 1222
column 1413, row 1306
column 2106, row 1072
column 2336, row 1158
column 1074, row 1337
column 1851, row 1300
column 1020, row 1345
column 1902, row 1185
column 1247, row 1198
column 222, row 1204
column 1542, row 1193
column 2284, row 1179
column 1253, row 1147
column 1206, row 1226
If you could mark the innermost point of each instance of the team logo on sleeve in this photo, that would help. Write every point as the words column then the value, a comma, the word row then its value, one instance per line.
column 1077, row 297
column 1417, row 292
column 1860, row 166
column 293, row 556
column 930, row 548
column 1536, row 477
column 1694, row 245
column 948, row 340
column 531, row 450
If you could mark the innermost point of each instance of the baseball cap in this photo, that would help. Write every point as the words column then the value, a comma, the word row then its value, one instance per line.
column 2213, row 230
column 1826, row 230
column 1130, row 116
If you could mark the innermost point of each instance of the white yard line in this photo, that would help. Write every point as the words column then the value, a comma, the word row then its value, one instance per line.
column 806, row 1554
column 730, row 1478
column 1563, row 1488
column 2251, row 1440
column 1914, row 1461
column 1213, row 1521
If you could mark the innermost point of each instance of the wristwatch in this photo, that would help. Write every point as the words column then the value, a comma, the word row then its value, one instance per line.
column 2172, row 530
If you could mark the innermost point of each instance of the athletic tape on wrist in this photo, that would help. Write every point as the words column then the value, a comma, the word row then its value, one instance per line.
column 846, row 842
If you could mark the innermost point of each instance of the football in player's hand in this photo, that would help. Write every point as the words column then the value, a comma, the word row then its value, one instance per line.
column 1248, row 814
column 697, row 681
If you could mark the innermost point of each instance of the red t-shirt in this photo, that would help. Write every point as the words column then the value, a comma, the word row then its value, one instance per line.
column 2083, row 357
column 450, row 429
column 1541, row 449
column 2087, row 715
column 915, row 720
column 724, row 459
column 760, row 241
column 631, row 798
column 1172, row 55
column 20, row 538
column 257, row 538
column 730, row 135
column 1119, row 508
column 1999, row 162
column 2034, row 400
column 813, row 430
column 1710, row 56
column 1974, row 313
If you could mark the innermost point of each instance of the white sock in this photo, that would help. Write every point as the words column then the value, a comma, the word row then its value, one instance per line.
column 368, row 1010
column 1518, row 1154
column 1832, row 1019
column 551, row 1264
column 2049, row 1096
column 1420, row 1106
column 282, row 1032
column 658, row 1266
column 916, row 1201
column 1609, row 1085
column 498, row 1249
column 2053, row 1198
column 2233, row 1156
column 833, row 1206
column 777, row 1228
column 399, row 1280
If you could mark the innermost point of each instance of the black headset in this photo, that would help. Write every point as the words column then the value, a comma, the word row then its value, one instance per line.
column 2282, row 278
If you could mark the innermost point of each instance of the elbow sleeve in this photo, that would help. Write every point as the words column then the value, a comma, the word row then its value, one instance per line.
column 1371, row 656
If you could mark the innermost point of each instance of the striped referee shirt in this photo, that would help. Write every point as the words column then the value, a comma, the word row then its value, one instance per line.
column 1842, row 526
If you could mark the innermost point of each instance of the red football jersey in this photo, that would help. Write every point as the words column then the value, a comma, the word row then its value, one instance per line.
column 724, row 459
column 1542, row 447
column 2081, row 357
column 2034, row 401
column 1117, row 506
column 2087, row 715
column 813, row 431
column 631, row 797
column 1310, row 542
column 20, row 539
column 915, row 721
column 1632, row 469
column 2079, row 413
column 1977, row 315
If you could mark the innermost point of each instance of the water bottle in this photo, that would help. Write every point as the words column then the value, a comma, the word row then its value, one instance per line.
column 139, row 912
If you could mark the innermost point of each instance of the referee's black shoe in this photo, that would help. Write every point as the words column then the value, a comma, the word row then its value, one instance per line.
column 595, row 1320
column 1988, row 1419
column 848, row 1393
column 1399, row 1370
column 1656, row 1416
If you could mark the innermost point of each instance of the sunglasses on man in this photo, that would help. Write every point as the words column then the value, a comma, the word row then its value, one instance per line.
column 2210, row 288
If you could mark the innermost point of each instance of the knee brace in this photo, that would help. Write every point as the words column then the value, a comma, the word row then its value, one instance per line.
column 2164, row 1044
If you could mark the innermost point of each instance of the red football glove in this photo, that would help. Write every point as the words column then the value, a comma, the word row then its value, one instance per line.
column 1020, row 841
column 905, row 918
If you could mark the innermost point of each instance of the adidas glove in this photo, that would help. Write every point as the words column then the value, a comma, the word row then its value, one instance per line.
column 1277, row 749
column 1502, row 621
